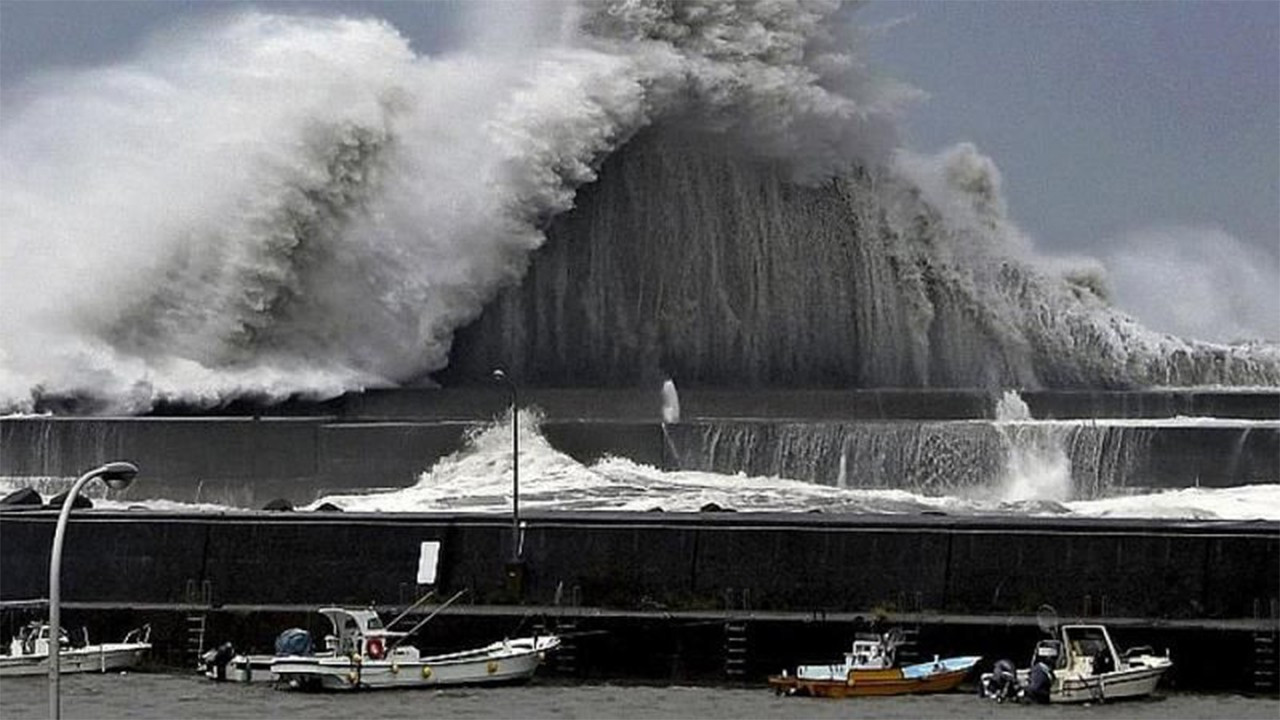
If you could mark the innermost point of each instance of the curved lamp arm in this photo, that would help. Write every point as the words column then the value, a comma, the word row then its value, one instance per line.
column 117, row 476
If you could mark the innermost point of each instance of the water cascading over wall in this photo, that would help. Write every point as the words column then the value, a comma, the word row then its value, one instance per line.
column 691, row 259
column 933, row 458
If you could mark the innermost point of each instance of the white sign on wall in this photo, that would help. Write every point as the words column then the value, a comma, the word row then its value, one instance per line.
column 428, row 562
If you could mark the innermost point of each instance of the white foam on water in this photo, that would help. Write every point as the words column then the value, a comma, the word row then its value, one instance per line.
column 1247, row 502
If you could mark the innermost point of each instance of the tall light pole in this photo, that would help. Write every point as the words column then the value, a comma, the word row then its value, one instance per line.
column 515, row 463
column 117, row 476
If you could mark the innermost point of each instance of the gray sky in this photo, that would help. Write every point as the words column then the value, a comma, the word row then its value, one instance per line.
column 1104, row 117
column 1117, row 126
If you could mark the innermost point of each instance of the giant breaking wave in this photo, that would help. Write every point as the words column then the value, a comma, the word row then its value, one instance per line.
column 267, row 205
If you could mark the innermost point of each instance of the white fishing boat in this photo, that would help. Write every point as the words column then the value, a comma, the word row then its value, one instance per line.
column 29, row 652
column 224, row 663
column 1081, row 664
column 362, row 654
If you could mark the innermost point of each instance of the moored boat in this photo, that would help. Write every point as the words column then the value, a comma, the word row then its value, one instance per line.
column 29, row 652
column 1082, row 664
column 362, row 654
column 224, row 663
column 1078, row 664
column 869, row 668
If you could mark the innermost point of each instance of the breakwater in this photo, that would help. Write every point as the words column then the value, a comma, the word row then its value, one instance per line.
column 924, row 441
column 766, row 561
column 625, row 572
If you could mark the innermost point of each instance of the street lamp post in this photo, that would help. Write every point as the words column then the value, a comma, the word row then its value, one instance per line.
column 117, row 476
column 515, row 463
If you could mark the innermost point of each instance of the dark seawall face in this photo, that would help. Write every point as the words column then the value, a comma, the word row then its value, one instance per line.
column 652, row 595
column 692, row 260
column 685, row 561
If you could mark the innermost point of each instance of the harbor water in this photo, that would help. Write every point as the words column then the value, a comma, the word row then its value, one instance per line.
column 162, row 695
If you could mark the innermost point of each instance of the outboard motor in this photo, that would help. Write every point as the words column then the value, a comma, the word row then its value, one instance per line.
column 1002, row 683
column 1039, row 682
column 1040, row 679
column 217, row 660
column 294, row 641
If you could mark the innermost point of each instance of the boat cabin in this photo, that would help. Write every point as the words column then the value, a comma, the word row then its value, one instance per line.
column 1080, row 650
column 354, row 631
column 869, row 653
column 33, row 639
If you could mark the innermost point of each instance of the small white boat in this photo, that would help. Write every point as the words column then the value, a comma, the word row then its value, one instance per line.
column 362, row 654
column 29, row 652
column 1082, row 664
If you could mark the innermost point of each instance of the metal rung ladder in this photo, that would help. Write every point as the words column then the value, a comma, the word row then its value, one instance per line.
column 735, row 650
column 1265, row 672
column 566, row 656
column 195, row 634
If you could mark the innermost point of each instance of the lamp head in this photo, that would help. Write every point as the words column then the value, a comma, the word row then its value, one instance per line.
column 499, row 375
column 118, row 475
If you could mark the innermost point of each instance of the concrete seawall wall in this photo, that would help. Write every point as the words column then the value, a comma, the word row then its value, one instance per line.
column 246, row 462
column 1149, row 569
column 655, row 596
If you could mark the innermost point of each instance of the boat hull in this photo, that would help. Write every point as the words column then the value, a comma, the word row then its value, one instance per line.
column 500, row 663
column 864, row 683
column 104, row 658
column 1117, row 685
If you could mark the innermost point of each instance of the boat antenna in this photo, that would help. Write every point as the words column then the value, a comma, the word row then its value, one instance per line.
column 426, row 620
column 409, row 609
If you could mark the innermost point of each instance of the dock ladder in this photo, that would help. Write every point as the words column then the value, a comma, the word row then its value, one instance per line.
column 566, row 656
column 198, row 594
column 735, row 649
column 195, row 635
column 1266, row 675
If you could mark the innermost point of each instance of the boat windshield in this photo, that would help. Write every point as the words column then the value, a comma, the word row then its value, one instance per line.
column 1088, row 642
column 375, row 623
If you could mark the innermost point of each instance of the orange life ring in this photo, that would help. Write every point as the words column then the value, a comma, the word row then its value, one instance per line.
column 374, row 648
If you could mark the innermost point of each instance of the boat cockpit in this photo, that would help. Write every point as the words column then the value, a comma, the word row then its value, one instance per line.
column 1079, row 649
column 33, row 639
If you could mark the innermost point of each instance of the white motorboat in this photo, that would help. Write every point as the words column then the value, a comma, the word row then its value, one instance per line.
column 29, row 652
column 361, row 653
column 1082, row 664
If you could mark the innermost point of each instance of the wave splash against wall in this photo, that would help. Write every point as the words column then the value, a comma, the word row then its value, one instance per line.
column 266, row 205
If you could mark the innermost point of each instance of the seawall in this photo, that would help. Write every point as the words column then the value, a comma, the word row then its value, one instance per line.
column 627, row 575
column 301, row 450
column 247, row 462
column 765, row 561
